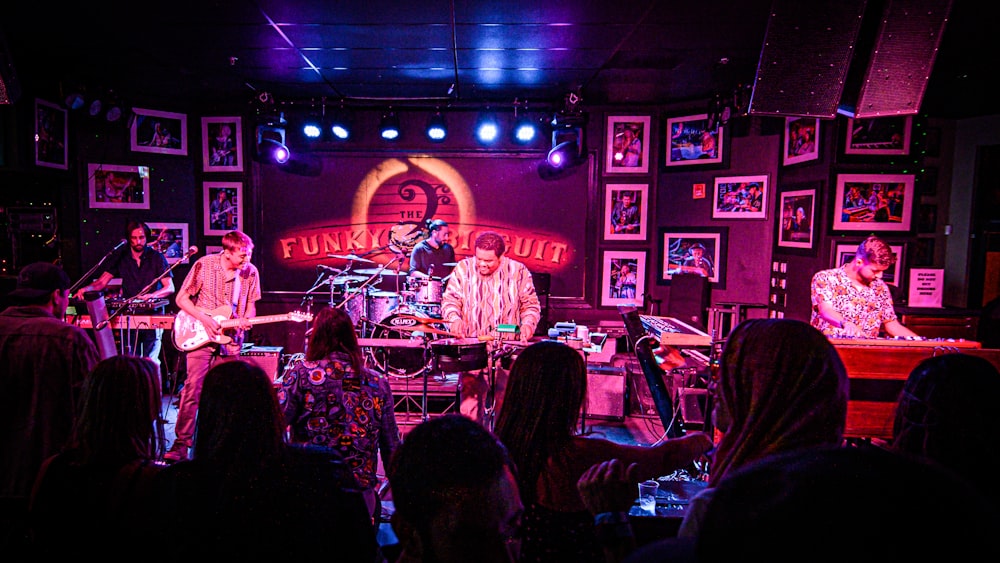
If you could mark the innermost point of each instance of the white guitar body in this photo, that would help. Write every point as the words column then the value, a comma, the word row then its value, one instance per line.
column 189, row 334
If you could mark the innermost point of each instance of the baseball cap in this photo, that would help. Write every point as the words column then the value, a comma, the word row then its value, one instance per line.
column 39, row 279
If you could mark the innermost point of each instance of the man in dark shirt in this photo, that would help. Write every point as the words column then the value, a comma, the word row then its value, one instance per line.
column 430, row 255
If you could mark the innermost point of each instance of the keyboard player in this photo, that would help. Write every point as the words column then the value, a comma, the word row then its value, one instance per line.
column 138, row 265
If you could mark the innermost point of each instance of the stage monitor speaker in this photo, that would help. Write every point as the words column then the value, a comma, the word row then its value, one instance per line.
column 268, row 358
column 909, row 34
column 690, row 296
column 807, row 51
column 605, row 392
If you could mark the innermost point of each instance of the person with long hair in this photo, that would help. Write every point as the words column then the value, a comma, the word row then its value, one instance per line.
column 538, row 424
column 100, row 481
column 331, row 399
column 246, row 493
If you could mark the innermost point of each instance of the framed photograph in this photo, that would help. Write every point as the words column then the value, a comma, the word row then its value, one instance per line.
column 844, row 253
column 690, row 142
column 801, row 140
column 159, row 132
column 626, row 209
column 171, row 239
column 113, row 186
column 51, row 133
column 798, row 211
column 878, row 135
column 623, row 281
column 222, row 144
column 740, row 197
column 693, row 250
column 873, row 202
column 222, row 203
column 627, row 150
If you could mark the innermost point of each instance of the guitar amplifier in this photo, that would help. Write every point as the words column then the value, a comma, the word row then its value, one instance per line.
column 605, row 392
column 267, row 358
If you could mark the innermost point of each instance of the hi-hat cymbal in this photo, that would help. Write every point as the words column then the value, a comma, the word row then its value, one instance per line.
column 353, row 257
column 385, row 272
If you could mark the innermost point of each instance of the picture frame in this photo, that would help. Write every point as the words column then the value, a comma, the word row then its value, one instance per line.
column 873, row 202
column 114, row 186
column 740, row 197
column 222, row 206
column 689, row 143
column 170, row 239
column 677, row 253
column 797, row 226
column 801, row 140
column 161, row 132
column 843, row 252
column 620, row 222
column 615, row 290
column 627, row 144
column 222, row 144
column 51, row 135
column 878, row 135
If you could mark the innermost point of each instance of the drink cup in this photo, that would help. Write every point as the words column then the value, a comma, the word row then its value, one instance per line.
column 647, row 496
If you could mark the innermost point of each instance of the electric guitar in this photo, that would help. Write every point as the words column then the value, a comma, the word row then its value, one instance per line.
column 189, row 334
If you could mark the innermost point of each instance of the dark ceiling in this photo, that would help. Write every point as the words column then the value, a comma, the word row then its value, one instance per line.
column 439, row 52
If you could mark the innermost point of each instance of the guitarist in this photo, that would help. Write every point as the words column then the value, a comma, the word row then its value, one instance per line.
column 226, row 281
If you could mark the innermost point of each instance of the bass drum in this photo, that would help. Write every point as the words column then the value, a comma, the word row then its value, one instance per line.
column 409, row 358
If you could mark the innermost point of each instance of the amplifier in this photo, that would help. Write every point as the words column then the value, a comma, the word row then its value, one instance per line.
column 267, row 358
column 605, row 392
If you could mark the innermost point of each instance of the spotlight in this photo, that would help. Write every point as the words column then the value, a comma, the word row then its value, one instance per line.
column 389, row 128
column 271, row 147
column 487, row 128
column 437, row 130
column 525, row 130
column 340, row 125
column 274, row 151
column 312, row 127
column 74, row 101
column 95, row 108
column 563, row 154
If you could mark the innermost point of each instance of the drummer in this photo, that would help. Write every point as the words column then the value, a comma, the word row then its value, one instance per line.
column 430, row 256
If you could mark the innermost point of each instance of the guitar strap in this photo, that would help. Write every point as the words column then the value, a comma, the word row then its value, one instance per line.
column 236, row 294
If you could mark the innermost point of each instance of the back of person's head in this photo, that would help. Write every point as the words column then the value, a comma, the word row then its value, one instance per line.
column 947, row 413
column 876, row 251
column 36, row 283
column 491, row 240
column 781, row 386
column 119, row 412
column 453, row 490
column 333, row 331
column 239, row 424
column 545, row 392
column 845, row 504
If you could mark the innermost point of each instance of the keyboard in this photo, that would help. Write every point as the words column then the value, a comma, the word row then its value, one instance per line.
column 137, row 306
column 673, row 332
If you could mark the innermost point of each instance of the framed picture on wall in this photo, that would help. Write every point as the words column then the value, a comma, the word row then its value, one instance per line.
column 627, row 145
column 878, row 135
column 873, row 202
column 740, row 197
column 112, row 186
column 623, row 278
column 222, row 144
column 160, row 132
column 171, row 239
column 626, row 209
column 690, row 141
column 844, row 253
column 222, row 203
column 51, row 133
column 801, row 140
column 798, row 211
column 693, row 250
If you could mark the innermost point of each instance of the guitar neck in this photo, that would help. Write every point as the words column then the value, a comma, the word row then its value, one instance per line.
column 255, row 320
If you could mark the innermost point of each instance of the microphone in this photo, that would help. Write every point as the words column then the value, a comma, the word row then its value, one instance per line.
column 191, row 251
column 430, row 270
column 120, row 244
column 322, row 268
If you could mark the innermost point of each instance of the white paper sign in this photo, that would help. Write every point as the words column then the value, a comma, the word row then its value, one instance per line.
column 926, row 287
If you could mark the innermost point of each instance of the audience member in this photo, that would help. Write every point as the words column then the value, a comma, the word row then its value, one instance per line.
column 331, row 399
column 43, row 362
column 246, row 494
column 946, row 413
column 455, row 494
column 538, row 424
column 86, row 500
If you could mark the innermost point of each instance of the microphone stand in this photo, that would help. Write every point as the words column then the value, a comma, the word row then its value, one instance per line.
column 144, row 291
column 83, row 279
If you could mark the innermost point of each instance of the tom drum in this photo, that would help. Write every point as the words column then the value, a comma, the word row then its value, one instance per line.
column 354, row 304
column 426, row 290
column 381, row 304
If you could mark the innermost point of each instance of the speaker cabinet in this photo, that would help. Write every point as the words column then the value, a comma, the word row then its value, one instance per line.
column 268, row 358
column 689, row 299
column 605, row 392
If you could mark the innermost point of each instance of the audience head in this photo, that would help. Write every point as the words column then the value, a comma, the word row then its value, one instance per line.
column 946, row 413
column 119, row 412
column 239, row 425
column 42, row 283
column 455, row 493
column 333, row 331
column 781, row 386
column 534, row 422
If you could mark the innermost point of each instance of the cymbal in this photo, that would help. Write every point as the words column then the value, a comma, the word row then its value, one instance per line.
column 354, row 257
column 385, row 272
column 348, row 279
column 428, row 329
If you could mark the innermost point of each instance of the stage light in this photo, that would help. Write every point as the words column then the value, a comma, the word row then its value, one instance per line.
column 340, row 125
column 563, row 154
column 525, row 130
column 389, row 127
column 95, row 108
column 271, row 147
column 487, row 128
column 437, row 129
column 274, row 151
column 74, row 101
column 312, row 127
